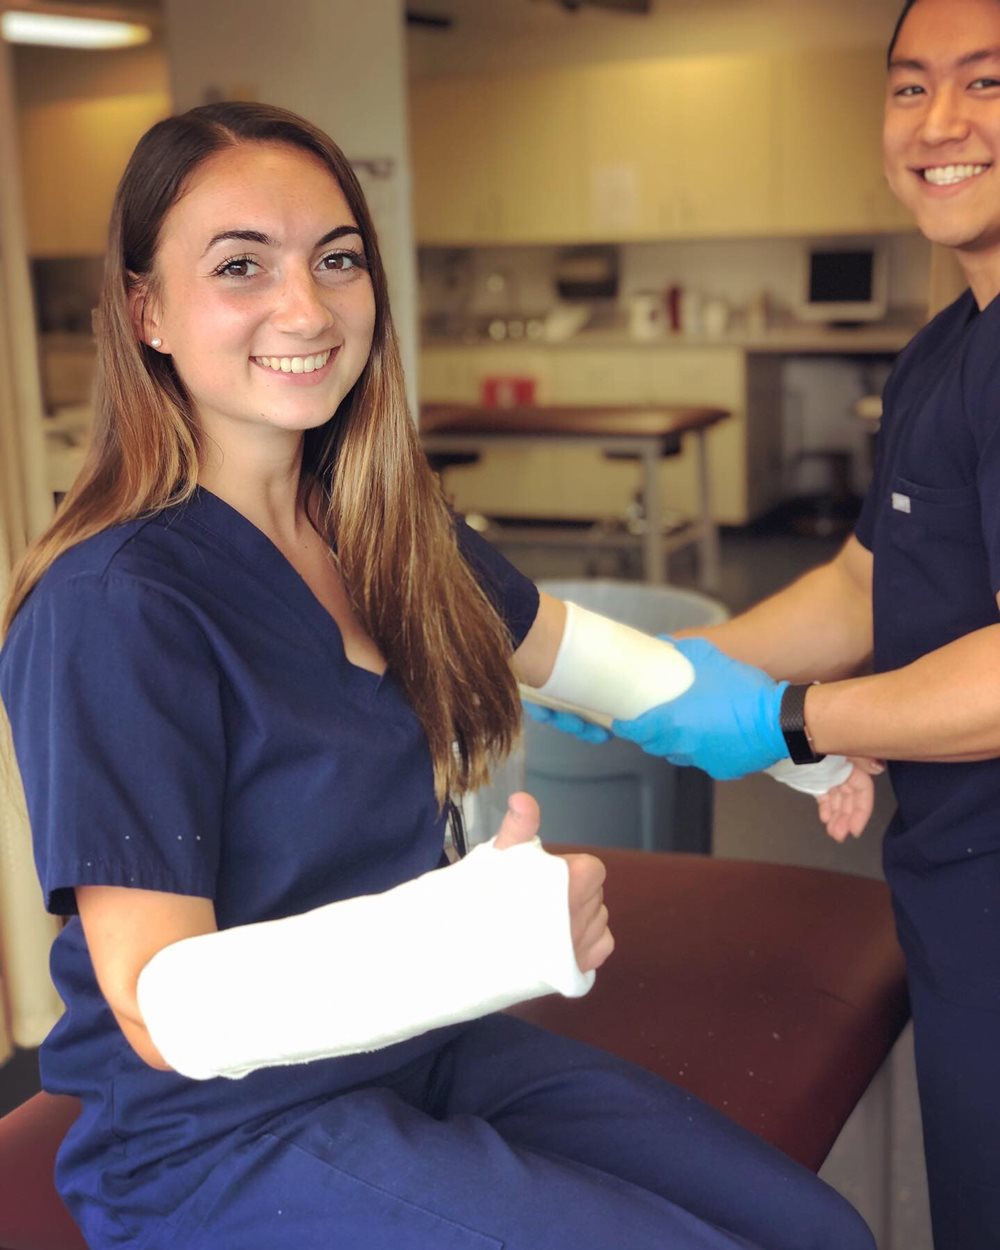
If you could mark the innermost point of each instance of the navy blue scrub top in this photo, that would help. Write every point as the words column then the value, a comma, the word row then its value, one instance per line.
column 932, row 522
column 185, row 720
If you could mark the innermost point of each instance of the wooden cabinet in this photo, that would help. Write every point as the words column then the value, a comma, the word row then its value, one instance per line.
column 674, row 148
column 454, row 156
column 745, row 451
column 498, row 160
column 632, row 150
column 693, row 147
column 828, row 145
column 72, row 154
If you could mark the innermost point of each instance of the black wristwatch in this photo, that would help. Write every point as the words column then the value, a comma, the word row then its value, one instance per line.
column 792, row 722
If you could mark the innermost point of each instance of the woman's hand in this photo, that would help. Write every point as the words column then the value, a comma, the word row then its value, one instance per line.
column 847, row 808
column 566, row 723
column 592, row 940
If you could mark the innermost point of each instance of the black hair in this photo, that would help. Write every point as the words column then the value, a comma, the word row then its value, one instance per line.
column 899, row 26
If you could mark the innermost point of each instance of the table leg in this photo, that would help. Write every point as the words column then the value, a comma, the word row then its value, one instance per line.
column 653, row 540
column 708, row 543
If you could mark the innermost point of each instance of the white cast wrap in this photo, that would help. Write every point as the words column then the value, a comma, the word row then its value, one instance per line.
column 452, row 945
column 815, row 779
column 607, row 671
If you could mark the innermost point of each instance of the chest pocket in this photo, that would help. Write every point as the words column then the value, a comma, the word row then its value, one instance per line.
column 935, row 573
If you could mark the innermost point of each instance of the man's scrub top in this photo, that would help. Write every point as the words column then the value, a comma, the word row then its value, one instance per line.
column 185, row 720
column 932, row 521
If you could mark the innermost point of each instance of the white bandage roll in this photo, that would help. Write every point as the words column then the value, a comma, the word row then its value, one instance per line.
column 452, row 945
column 607, row 671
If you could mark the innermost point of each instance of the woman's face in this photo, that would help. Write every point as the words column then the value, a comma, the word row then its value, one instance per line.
column 262, row 298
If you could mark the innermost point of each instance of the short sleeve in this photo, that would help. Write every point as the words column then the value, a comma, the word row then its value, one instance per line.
column 114, row 704
column 514, row 596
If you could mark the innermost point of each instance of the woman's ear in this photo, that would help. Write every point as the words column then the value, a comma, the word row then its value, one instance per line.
column 143, row 314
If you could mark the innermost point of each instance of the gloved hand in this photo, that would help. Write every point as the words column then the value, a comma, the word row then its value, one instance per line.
column 726, row 723
column 566, row 723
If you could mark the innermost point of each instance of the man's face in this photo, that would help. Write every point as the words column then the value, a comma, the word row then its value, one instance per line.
column 941, row 137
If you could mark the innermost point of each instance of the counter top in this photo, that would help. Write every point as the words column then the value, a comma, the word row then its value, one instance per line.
column 792, row 339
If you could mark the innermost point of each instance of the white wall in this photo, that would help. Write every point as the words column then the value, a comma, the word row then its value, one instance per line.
column 341, row 64
column 44, row 75
column 495, row 36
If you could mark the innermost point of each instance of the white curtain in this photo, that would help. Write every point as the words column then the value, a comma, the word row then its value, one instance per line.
column 29, row 1005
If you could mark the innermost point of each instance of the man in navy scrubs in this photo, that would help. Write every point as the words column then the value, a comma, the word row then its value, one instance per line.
column 911, row 600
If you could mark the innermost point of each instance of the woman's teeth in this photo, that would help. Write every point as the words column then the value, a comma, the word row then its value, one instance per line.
column 294, row 364
column 949, row 175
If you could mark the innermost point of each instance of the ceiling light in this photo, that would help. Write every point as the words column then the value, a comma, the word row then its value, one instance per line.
column 60, row 31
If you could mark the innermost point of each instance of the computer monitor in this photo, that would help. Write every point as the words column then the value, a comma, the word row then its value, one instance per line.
column 843, row 283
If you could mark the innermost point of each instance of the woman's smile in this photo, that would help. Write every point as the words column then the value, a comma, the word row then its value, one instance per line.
column 301, row 370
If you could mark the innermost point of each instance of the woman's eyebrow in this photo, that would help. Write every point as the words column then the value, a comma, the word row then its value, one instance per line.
column 265, row 240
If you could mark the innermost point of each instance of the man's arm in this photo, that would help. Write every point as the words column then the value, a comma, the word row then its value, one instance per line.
column 817, row 629
column 944, row 707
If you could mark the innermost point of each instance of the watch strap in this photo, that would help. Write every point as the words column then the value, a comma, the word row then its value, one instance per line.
column 792, row 722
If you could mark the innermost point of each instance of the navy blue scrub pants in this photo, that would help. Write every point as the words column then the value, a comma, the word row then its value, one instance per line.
column 958, row 1073
column 509, row 1137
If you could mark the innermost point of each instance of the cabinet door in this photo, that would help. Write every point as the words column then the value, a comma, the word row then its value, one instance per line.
column 539, row 144
column 722, row 179
column 453, row 147
column 707, row 375
column 679, row 147
column 828, row 144
column 73, row 152
column 498, row 160
column 631, row 115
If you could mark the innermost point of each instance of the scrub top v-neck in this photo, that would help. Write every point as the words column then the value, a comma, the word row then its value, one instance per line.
column 187, row 721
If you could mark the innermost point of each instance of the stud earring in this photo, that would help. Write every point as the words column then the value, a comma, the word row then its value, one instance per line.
column 156, row 342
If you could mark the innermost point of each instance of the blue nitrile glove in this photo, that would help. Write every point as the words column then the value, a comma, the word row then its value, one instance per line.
column 566, row 722
column 726, row 723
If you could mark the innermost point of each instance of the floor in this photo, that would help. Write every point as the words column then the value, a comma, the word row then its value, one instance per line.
column 756, row 819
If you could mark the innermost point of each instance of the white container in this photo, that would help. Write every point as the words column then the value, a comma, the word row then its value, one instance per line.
column 647, row 317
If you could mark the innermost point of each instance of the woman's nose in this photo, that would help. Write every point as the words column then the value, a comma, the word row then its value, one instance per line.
column 300, row 308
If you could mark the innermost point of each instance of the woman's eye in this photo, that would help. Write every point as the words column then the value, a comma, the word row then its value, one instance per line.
column 984, row 84
column 342, row 262
column 908, row 92
column 236, row 267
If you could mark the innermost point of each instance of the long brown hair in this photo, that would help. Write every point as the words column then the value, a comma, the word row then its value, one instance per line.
column 380, row 505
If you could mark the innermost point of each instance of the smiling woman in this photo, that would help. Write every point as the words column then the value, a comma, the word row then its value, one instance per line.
column 245, row 669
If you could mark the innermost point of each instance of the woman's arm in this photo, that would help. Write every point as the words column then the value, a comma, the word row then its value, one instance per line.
column 535, row 657
column 818, row 628
column 124, row 929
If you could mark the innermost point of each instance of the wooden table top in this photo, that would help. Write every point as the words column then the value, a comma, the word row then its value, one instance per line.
column 594, row 420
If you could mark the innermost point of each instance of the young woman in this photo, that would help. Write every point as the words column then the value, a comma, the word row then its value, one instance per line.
column 244, row 669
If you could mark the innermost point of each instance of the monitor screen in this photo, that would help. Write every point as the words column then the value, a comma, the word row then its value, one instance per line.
column 840, row 277
column 845, row 284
